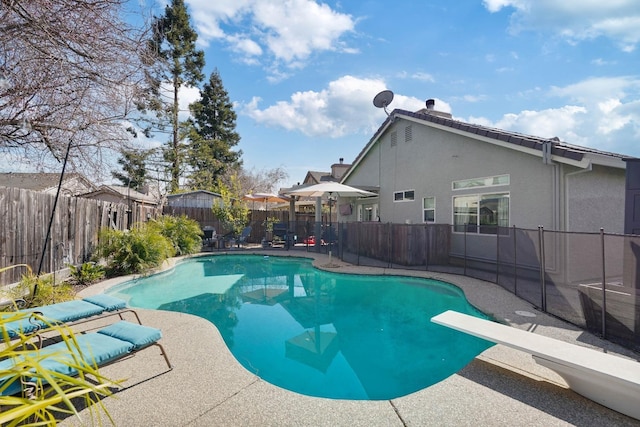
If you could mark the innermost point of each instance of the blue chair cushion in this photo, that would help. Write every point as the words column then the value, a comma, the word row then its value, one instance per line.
column 93, row 349
column 107, row 302
column 15, row 323
column 68, row 311
column 9, row 381
column 138, row 335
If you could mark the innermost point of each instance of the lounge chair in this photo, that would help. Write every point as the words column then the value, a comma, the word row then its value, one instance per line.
column 96, row 349
column 70, row 312
column 242, row 239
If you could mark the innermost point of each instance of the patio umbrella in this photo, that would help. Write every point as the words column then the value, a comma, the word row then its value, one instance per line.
column 330, row 189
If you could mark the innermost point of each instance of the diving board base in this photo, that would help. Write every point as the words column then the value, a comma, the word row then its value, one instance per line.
column 607, row 379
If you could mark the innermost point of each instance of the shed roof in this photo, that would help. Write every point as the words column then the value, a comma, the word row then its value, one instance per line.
column 192, row 193
column 124, row 192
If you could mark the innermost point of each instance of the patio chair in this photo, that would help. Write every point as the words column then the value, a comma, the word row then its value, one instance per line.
column 210, row 237
column 242, row 239
column 106, row 346
column 280, row 234
column 69, row 312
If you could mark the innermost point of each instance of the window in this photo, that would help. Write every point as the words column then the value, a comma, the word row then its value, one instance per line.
column 408, row 133
column 394, row 138
column 429, row 209
column 367, row 212
column 481, row 213
column 490, row 181
column 404, row 196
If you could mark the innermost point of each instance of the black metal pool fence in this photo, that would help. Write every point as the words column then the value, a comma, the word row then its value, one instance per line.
column 574, row 276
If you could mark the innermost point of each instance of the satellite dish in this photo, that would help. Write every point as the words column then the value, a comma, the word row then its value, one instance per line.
column 383, row 99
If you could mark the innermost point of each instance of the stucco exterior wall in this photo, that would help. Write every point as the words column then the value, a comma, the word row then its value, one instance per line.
column 427, row 160
column 432, row 159
column 596, row 199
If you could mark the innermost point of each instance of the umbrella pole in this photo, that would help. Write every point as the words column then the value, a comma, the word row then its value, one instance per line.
column 330, row 236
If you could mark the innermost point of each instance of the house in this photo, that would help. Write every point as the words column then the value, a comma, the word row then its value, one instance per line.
column 73, row 184
column 308, row 204
column 337, row 172
column 430, row 168
column 194, row 199
column 142, row 207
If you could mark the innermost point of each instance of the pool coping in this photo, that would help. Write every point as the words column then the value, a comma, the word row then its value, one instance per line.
column 209, row 387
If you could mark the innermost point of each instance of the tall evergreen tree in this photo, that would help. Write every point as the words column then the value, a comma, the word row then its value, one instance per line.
column 180, row 63
column 213, row 135
column 133, row 166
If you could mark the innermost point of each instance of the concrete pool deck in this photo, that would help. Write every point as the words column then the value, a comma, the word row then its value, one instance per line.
column 208, row 387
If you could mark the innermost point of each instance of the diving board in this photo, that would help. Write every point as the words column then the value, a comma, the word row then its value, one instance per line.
column 610, row 380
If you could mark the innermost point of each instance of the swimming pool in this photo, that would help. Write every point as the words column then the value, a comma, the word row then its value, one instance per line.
column 314, row 332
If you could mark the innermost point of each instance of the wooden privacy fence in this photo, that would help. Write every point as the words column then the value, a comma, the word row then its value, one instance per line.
column 404, row 244
column 301, row 226
column 24, row 219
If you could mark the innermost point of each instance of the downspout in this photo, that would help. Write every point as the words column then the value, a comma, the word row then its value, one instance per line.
column 547, row 160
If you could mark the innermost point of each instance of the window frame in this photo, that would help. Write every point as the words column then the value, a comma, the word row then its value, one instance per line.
column 478, row 227
column 403, row 194
column 481, row 185
column 433, row 209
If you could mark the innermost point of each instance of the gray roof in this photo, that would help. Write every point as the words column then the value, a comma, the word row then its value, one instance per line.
column 318, row 177
column 191, row 193
column 125, row 192
column 35, row 181
column 558, row 148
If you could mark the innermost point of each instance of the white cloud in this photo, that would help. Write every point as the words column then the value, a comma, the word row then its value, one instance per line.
column 596, row 89
column 419, row 75
column 576, row 20
column 424, row 77
column 186, row 96
column 602, row 113
column 285, row 32
column 343, row 108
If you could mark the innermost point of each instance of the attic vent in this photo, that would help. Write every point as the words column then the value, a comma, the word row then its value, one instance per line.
column 394, row 139
column 408, row 133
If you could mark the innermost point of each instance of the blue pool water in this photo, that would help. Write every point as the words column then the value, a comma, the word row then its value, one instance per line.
column 314, row 332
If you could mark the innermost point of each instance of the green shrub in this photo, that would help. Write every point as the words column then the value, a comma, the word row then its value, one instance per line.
column 48, row 292
column 132, row 251
column 184, row 233
column 86, row 274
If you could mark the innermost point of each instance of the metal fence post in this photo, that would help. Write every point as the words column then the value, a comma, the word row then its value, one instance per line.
column 427, row 238
column 515, row 263
column 465, row 249
column 358, row 242
column 543, row 288
column 497, row 254
column 389, row 252
column 604, row 284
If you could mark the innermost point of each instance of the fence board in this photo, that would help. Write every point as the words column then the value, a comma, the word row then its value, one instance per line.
column 24, row 221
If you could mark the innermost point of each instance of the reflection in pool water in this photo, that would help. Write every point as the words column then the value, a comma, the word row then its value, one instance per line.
column 318, row 333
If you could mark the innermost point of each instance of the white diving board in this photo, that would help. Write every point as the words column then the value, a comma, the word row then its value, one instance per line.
column 610, row 380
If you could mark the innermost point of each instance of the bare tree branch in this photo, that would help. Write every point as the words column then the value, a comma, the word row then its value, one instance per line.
column 69, row 70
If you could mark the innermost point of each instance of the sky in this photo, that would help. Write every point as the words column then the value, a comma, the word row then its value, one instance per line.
column 302, row 74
